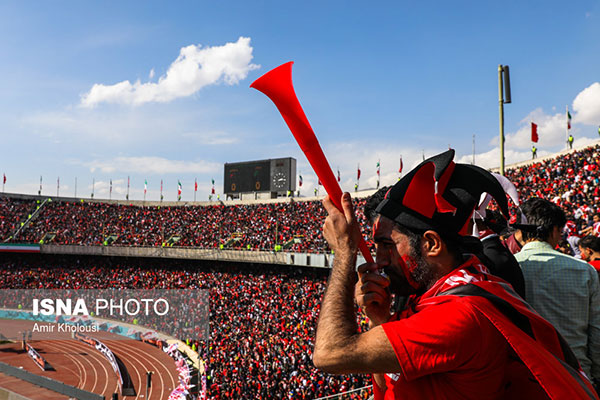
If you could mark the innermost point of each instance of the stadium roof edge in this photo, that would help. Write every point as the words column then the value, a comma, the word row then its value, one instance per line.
column 141, row 203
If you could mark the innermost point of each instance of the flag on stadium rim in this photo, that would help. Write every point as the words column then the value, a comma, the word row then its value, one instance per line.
column 401, row 165
column 195, row 184
column 4, row 181
column 534, row 134
column 358, row 172
column 568, row 119
column 300, row 178
column 212, row 181
column 378, row 167
column 145, row 185
column 339, row 177
column 178, row 190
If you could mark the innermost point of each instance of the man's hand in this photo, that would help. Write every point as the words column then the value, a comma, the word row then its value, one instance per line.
column 372, row 294
column 341, row 229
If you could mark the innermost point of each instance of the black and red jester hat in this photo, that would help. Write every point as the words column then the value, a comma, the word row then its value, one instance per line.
column 441, row 195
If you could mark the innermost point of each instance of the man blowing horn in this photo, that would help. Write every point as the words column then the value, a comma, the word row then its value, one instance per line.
column 464, row 334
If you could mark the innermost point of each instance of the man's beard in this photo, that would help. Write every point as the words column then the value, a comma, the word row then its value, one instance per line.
column 422, row 273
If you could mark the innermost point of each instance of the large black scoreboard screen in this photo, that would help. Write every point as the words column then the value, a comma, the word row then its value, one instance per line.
column 253, row 176
column 274, row 175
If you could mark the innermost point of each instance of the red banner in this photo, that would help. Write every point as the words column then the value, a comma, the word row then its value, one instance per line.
column 534, row 134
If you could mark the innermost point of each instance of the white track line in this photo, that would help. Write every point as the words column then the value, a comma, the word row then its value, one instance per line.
column 132, row 361
column 73, row 359
column 153, row 362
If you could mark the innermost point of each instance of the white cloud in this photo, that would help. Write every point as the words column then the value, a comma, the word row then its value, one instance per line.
column 151, row 165
column 587, row 105
column 211, row 138
column 195, row 68
column 346, row 156
column 491, row 158
column 551, row 131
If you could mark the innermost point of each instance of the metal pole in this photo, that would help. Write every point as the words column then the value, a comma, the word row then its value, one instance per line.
column 473, row 150
column 567, row 127
column 501, row 104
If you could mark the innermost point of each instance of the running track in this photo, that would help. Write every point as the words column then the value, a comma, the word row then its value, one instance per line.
column 82, row 366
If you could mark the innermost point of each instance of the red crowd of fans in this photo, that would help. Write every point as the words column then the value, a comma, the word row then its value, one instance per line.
column 12, row 213
column 262, row 319
column 257, row 226
column 572, row 181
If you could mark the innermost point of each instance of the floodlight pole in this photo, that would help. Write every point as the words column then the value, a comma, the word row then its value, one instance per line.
column 501, row 104
column 503, row 89
column 473, row 163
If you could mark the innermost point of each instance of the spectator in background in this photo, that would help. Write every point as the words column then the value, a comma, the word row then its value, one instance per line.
column 495, row 255
column 594, row 228
column 564, row 247
column 590, row 250
column 514, row 243
column 562, row 289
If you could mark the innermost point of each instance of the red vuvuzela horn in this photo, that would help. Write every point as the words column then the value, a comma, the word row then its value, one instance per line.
column 277, row 85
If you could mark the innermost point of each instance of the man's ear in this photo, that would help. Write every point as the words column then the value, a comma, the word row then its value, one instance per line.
column 432, row 244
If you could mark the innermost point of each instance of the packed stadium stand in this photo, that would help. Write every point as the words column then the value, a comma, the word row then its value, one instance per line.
column 262, row 317
column 292, row 225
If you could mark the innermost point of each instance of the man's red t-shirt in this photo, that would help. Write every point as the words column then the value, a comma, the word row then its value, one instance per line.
column 447, row 351
column 596, row 264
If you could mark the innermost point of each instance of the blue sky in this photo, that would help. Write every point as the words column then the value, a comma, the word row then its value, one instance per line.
column 106, row 90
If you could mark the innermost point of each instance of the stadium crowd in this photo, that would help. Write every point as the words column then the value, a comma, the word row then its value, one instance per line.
column 12, row 213
column 262, row 318
column 258, row 226
column 571, row 181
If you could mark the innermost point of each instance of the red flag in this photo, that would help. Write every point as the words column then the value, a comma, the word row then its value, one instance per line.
column 534, row 134
column 213, row 190
column 339, row 178
column 401, row 165
column 358, row 173
column 4, row 178
column 195, row 185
